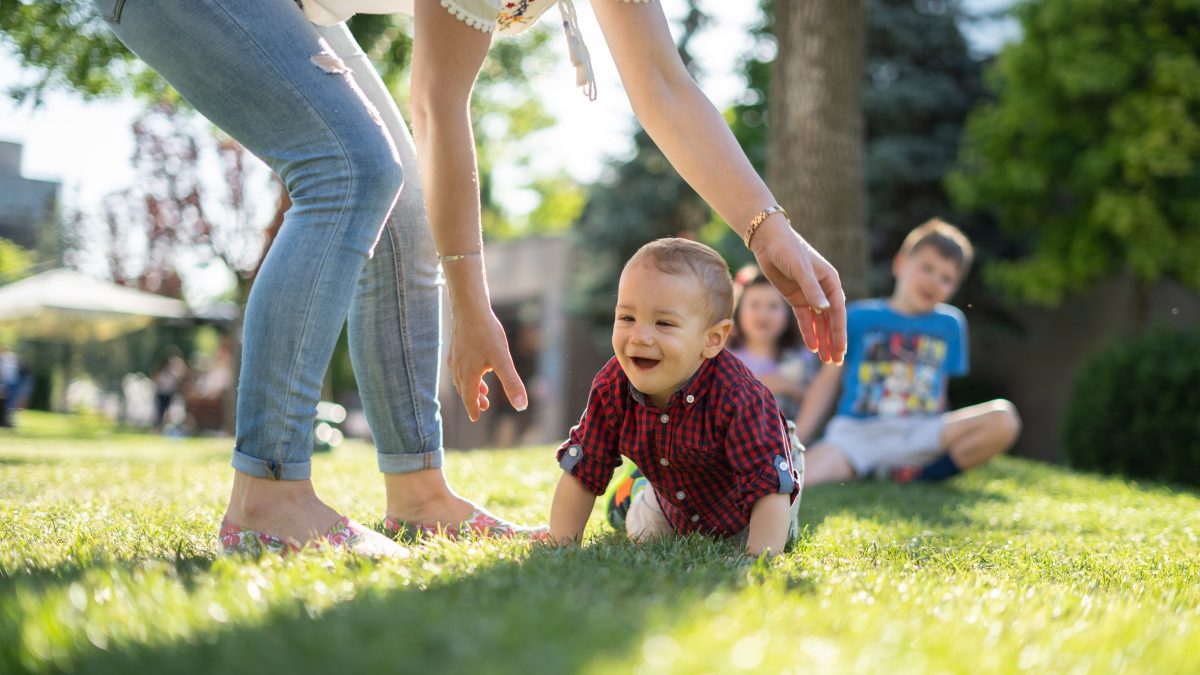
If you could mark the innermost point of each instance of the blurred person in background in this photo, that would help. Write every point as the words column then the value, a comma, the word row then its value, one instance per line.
column 169, row 377
column 766, row 339
column 10, row 381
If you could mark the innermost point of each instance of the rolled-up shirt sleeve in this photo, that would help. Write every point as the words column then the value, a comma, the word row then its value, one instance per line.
column 759, row 449
column 592, row 450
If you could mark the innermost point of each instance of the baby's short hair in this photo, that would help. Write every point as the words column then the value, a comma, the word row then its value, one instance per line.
column 676, row 256
column 946, row 239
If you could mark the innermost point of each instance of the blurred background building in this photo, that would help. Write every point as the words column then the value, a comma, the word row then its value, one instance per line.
column 26, row 205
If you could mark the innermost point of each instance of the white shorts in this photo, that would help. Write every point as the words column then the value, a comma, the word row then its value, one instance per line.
column 874, row 443
column 645, row 519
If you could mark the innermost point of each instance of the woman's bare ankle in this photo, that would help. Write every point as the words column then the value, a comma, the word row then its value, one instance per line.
column 283, row 508
column 425, row 497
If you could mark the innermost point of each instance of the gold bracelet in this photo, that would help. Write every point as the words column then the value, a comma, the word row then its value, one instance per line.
column 759, row 218
column 455, row 258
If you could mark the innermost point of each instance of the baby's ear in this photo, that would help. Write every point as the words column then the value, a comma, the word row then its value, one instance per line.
column 715, row 337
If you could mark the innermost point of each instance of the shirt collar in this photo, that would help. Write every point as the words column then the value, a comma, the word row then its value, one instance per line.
column 691, row 390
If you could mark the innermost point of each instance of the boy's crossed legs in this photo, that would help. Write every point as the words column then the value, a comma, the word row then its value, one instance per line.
column 969, row 437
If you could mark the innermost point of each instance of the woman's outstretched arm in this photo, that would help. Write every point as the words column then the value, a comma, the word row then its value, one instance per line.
column 447, row 55
column 699, row 144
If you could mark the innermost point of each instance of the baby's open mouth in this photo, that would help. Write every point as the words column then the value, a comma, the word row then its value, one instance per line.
column 642, row 363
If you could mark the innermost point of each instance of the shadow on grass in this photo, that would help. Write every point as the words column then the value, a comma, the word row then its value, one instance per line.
column 540, row 611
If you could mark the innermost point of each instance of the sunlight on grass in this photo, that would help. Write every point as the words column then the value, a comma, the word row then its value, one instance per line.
column 107, row 546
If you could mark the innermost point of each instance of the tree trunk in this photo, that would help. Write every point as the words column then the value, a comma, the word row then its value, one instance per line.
column 816, row 165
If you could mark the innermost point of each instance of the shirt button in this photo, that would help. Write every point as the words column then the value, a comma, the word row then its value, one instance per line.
column 665, row 418
column 691, row 399
column 696, row 518
column 680, row 495
column 783, row 466
column 664, row 461
column 574, row 452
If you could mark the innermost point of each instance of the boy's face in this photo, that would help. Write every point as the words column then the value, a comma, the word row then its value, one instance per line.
column 924, row 278
column 661, row 332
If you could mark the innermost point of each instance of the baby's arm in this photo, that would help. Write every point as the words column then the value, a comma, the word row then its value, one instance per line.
column 822, row 394
column 769, row 521
column 570, row 510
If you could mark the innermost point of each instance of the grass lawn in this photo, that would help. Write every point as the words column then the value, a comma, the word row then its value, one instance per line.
column 107, row 545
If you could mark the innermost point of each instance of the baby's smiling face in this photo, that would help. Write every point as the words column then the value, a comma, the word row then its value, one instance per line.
column 662, row 330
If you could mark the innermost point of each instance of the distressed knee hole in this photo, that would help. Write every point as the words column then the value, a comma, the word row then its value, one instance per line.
column 328, row 61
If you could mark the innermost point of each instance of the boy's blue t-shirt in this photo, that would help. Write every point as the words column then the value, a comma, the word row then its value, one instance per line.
column 897, row 365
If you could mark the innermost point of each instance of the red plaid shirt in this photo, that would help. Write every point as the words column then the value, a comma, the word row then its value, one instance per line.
column 720, row 445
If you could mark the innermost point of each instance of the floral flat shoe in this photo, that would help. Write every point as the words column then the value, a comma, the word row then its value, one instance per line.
column 479, row 524
column 345, row 534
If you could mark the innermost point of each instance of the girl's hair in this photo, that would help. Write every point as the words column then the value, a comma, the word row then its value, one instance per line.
column 749, row 277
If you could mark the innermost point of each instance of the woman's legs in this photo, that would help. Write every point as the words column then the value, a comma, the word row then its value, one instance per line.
column 395, row 330
column 258, row 70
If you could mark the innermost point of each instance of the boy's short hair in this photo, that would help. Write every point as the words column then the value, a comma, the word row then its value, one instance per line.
column 676, row 256
column 946, row 239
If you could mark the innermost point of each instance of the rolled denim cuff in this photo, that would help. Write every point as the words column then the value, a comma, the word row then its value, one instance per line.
column 409, row 462
column 269, row 468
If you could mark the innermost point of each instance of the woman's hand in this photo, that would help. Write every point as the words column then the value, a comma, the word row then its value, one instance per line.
column 809, row 283
column 478, row 345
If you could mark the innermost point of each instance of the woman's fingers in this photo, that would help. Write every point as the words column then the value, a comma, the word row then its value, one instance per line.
column 473, row 389
column 835, row 318
column 471, row 396
column 514, row 388
column 822, row 289
column 808, row 328
column 804, row 275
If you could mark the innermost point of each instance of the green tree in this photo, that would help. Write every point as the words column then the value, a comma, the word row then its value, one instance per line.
column 921, row 83
column 1091, row 152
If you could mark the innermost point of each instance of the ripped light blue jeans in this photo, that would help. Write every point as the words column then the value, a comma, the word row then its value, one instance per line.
column 307, row 101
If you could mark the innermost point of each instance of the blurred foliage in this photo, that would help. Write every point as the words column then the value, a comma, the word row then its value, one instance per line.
column 15, row 262
column 1091, row 152
column 922, row 82
column 1133, row 409
column 65, row 45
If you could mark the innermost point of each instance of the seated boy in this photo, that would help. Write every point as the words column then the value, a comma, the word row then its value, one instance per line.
column 891, row 420
column 715, row 451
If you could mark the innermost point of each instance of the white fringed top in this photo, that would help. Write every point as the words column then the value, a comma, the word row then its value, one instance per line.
column 506, row 17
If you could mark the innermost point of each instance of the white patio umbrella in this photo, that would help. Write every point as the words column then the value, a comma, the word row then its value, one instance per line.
column 64, row 305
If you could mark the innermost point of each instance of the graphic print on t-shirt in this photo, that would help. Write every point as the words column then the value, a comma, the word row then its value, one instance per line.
column 900, row 374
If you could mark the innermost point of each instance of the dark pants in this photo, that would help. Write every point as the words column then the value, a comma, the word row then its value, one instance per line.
column 162, row 403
